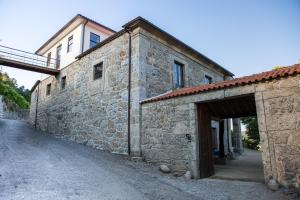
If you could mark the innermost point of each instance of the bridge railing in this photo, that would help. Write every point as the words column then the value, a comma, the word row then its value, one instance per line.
column 27, row 57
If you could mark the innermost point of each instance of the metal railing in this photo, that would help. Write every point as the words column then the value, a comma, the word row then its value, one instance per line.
column 27, row 57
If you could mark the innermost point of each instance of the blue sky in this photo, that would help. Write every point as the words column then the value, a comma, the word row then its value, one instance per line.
column 244, row 36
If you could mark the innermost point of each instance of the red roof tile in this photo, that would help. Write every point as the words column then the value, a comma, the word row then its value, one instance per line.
column 246, row 80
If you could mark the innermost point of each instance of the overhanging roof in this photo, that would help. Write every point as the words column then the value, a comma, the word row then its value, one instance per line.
column 73, row 23
column 35, row 85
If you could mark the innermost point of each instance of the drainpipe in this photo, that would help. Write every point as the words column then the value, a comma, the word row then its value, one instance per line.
column 36, row 105
column 83, row 34
column 129, row 89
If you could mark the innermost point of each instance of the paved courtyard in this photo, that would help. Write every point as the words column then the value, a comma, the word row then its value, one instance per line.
column 36, row 166
column 247, row 167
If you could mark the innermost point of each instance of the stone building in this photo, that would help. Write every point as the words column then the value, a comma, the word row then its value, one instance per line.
column 94, row 110
column 273, row 96
column 145, row 93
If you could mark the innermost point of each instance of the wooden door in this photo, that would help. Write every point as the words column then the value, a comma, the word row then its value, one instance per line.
column 206, row 165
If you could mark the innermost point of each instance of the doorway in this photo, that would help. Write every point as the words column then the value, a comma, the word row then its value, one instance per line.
column 217, row 158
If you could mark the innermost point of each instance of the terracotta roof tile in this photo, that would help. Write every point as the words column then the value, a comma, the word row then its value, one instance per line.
column 246, row 80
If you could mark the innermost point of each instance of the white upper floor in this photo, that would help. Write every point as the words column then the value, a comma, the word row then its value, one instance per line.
column 77, row 36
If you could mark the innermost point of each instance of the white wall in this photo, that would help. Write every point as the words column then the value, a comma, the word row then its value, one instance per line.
column 68, row 57
column 88, row 30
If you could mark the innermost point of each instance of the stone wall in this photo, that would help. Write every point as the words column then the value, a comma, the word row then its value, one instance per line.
column 94, row 112
column 167, row 133
column 157, row 59
column 11, row 112
column 153, row 64
column 278, row 111
column 165, row 125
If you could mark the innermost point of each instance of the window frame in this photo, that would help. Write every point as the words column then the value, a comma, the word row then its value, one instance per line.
column 209, row 78
column 63, row 82
column 95, row 42
column 178, row 75
column 48, row 59
column 97, row 76
column 70, row 44
column 58, row 56
column 48, row 89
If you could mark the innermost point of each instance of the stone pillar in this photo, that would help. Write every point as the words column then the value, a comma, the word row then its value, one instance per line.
column 237, row 136
column 225, row 139
column 229, row 132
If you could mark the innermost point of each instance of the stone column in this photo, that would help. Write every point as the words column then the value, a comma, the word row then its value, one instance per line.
column 225, row 139
column 237, row 136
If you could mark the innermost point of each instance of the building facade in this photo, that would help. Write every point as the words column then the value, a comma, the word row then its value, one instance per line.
column 77, row 36
column 93, row 102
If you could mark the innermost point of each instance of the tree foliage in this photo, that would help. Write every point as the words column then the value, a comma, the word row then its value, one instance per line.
column 251, row 139
column 12, row 94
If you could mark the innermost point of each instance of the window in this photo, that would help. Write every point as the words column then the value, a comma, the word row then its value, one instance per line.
column 178, row 75
column 58, row 56
column 63, row 82
column 98, row 70
column 94, row 39
column 48, row 58
column 70, row 44
column 207, row 79
column 48, row 89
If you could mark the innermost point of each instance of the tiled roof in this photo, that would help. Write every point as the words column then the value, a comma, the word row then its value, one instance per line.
column 246, row 80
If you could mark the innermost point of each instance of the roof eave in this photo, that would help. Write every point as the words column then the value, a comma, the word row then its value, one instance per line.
column 68, row 24
column 139, row 21
column 35, row 85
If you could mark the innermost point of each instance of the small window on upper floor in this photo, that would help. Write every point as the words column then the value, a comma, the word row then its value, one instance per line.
column 178, row 75
column 207, row 79
column 70, row 44
column 48, row 89
column 49, row 59
column 98, row 70
column 94, row 39
column 63, row 82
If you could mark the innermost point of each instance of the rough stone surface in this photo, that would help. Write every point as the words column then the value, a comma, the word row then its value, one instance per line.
column 10, row 112
column 273, row 185
column 164, row 169
column 94, row 112
column 278, row 111
column 188, row 175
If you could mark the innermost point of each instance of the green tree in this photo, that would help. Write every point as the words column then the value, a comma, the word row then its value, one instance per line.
column 251, row 139
column 14, row 96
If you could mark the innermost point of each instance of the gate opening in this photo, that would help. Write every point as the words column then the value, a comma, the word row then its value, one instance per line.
column 221, row 151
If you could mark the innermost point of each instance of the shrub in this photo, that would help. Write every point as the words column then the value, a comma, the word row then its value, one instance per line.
column 10, row 94
column 251, row 138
